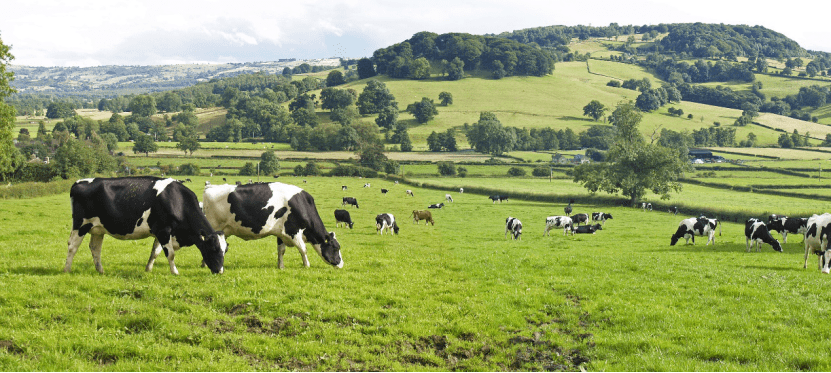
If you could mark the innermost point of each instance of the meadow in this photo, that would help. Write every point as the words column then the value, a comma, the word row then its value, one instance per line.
column 454, row 296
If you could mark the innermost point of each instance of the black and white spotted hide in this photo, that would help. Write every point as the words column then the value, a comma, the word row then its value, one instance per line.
column 673, row 210
column 816, row 240
column 601, row 217
column 384, row 191
column 514, row 226
column 588, row 228
column 756, row 231
column 386, row 222
column 552, row 222
column 133, row 208
column 448, row 197
column 580, row 218
column 785, row 225
column 342, row 217
column 261, row 210
column 701, row 226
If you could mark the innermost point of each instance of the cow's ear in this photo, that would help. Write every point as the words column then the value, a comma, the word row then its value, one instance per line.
column 203, row 236
column 331, row 235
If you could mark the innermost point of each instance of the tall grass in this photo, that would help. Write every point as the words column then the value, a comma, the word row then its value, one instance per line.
column 32, row 190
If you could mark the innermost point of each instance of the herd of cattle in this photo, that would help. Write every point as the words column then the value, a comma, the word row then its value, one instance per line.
column 139, row 207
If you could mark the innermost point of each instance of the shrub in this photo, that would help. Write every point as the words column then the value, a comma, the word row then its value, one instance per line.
column 311, row 169
column 351, row 170
column 613, row 83
column 248, row 169
column 541, row 171
column 391, row 167
column 446, row 169
column 516, row 171
column 189, row 169
column 299, row 170
column 461, row 171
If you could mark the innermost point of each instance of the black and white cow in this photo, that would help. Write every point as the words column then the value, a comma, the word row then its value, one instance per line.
column 367, row 185
column 558, row 222
column 580, row 218
column 673, row 210
column 601, row 217
column 343, row 187
column 785, row 225
column 646, row 206
column 409, row 193
column 139, row 207
column 461, row 190
column 588, row 228
column 700, row 226
column 259, row 210
column 350, row 201
column 342, row 216
column 386, row 221
column 514, row 226
column 436, row 206
column 384, row 191
column 816, row 240
column 756, row 232
column 568, row 209
column 498, row 198
column 448, row 197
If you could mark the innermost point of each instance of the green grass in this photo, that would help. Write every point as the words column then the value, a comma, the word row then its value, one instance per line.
column 455, row 296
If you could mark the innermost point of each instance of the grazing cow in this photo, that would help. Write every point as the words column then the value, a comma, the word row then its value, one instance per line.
column 139, row 207
column 568, row 208
column 304, row 181
column 816, row 240
column 498, row 198
column 385, row 221
column 223, row 179
column 461, row 190
column 427, row 216
column 588, row 228
column 436, row 206
column 700, row 226
column 342, row 216
column 514, row 226
column 756, row 232
column 558, row 222
column 259, row 210
column 673, row 210
column 189, row 180
column 350, row 201
column 600, row 216
column 785, row 225
column 384, row 191
column 343, row 187
column 409, row 193
column 580, row 218
column 646, row 206
column 366, row 185
column 447, row 197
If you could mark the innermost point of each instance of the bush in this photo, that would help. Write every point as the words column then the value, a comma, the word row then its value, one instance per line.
column 189, row 169
column 516, row 171
column 613, row 83
column 311, row 169
column 248, row 169
column 351, row 170
column 541, row 171
column 35, row 172
column 299, row 170
column 446, row 169
column 461, row 171
column 391, row 167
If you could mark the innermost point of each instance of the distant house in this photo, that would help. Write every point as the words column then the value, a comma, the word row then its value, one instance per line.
column 580, row 159
column 704, row 156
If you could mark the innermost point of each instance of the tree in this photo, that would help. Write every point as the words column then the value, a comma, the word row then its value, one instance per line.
column 332, row 98
column 143, row 105
column 248, row 169
column 446, row 98
column 387, row 118
column 366, row 68
column 455, row 69
column 498, row 69
column 372, row 156
column 446, row 168
column 304, row 117
column 189, row 144
column 633, row 166
column 59, row 109
column 268, row 163
column 420, row 68
column 334, row 78
column 169, row 102
column 594, row 109
column 145, row 144
column 516, row 172
column 423, row 110
column 287, row 72
column 375, row 97
column 488, row 136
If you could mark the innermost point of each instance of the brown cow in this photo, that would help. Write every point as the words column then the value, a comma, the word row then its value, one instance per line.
column 427, row 216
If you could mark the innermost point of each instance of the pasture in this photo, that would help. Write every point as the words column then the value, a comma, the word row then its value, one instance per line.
column 454, row 296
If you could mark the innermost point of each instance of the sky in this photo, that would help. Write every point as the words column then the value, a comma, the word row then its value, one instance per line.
column 157, row 32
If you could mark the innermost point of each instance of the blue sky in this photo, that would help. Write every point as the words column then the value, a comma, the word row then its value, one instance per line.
column 153, row 32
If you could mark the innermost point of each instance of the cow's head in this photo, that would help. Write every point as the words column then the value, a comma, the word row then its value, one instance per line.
column 351, row 223
column 674, row 239
column 517, row 230
column 607, row 216
column 776, row 245
column 213, row 246
column 330, row 251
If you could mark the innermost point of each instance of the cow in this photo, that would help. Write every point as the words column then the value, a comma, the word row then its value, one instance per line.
column 409, row 193
column 350, row 201
column 139, row 207
column 499, row 198
column 189, row 180
column 514, row 226
column 396, row 182
column 250, row 181
column 304, row 180
column 673, row 210
column 461, row 190
column 225, row 180
column 447, row 197
column 785, row 225
column 646, row 206
column 384, row 191
column 816, row 240
column 558, row 222
column 259, row 210
column 700, row 226
column 568, row 208
column 600, row 216
column 385, row 221
column 343, row 187
column 756, row 231
column 580, row 218
column 587, row 228
column 427, row 216
column 436, row 206
column 342, row 216
column 366, row 185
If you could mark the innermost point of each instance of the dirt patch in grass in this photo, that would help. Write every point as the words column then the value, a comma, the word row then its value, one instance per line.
column 11, row 347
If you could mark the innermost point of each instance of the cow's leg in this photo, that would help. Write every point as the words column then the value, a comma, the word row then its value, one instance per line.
column 301, row 247
column 95, row 243
column 747, row 243
column 169, row 245
column 74, row 242
column 805, row 266
column 154, row 252
column 785, row 236
column 281, row 249
column 712, row 238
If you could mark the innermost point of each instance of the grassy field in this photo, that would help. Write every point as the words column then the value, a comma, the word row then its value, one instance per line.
column 455, row 296
column 795, row 154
